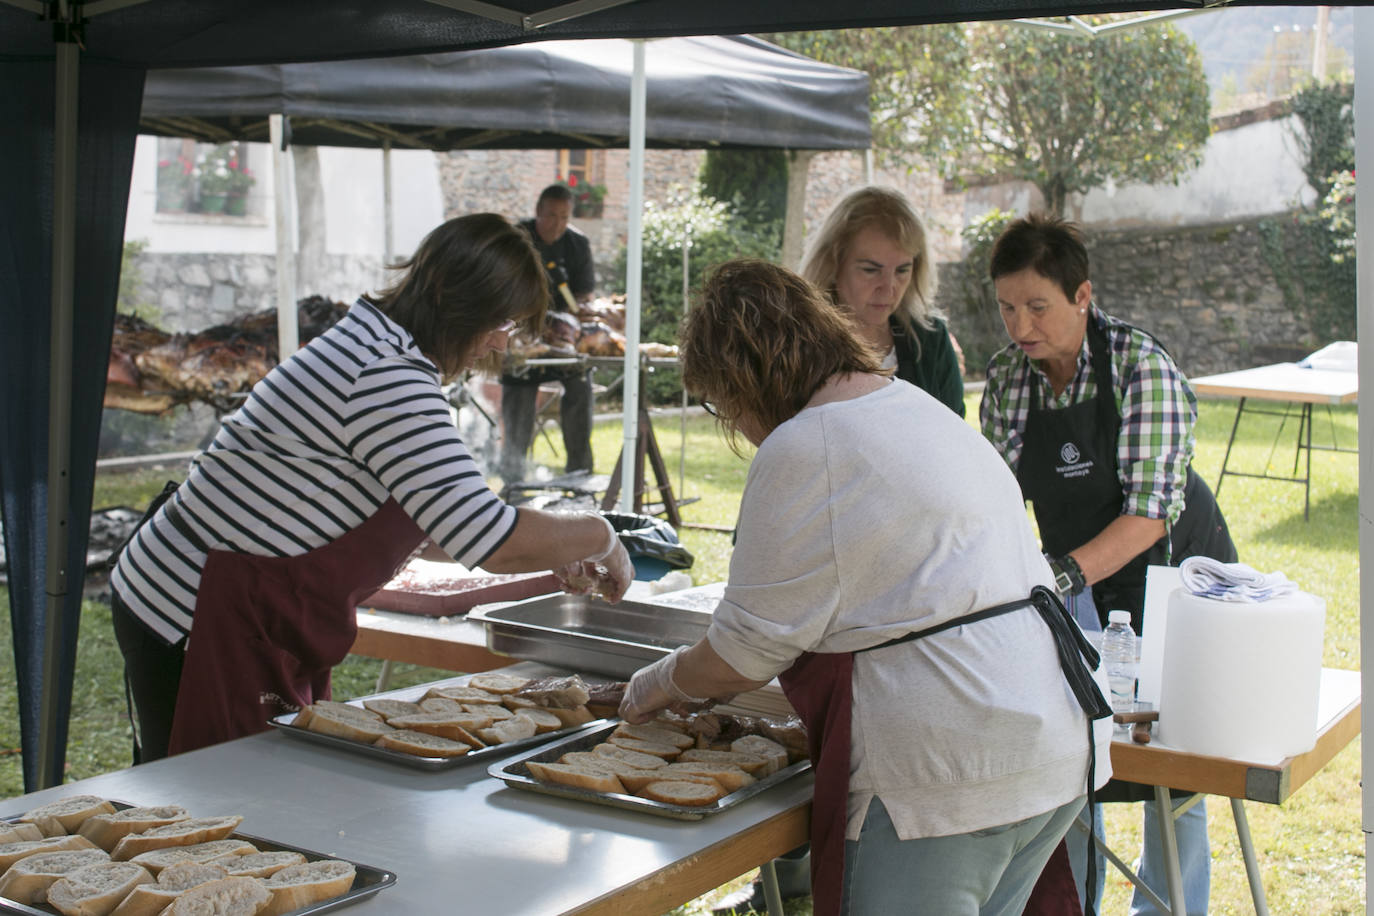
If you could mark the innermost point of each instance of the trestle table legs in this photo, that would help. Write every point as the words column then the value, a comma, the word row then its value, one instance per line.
column 772, row 895
column 1247, row 849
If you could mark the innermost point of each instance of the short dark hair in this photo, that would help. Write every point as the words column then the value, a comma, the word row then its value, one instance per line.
column 554, row 192
column 1050, row 245
column 761, row 341
column 468, row 276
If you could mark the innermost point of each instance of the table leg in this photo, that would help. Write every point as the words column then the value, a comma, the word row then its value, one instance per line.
column 1307, row 474
column 1177, row 904
column 772, row 895
column 1121, row 866
column 1235, row 425
column 384, row 676
column 1247, row 850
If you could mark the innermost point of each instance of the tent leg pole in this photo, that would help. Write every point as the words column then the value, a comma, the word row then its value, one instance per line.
column 634, row 257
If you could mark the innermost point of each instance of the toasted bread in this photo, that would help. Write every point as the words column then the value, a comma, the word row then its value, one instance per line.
column 223, row 897
column 682, row 792
column 95, row 890
column 28, row 880
column 422, row 744
column 301, row 885
column 105, row 830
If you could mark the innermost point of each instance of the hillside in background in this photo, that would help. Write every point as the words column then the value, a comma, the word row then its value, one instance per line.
column 1255, row 53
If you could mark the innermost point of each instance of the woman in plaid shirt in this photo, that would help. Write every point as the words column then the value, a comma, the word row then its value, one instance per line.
column 1097, row 421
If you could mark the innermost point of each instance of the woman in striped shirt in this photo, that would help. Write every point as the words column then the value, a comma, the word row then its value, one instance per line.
column 237, row 597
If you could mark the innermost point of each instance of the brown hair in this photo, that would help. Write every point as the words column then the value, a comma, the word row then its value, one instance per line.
column 468, row 276
column 1050, row 245
column 761, row 341
column 889, row 212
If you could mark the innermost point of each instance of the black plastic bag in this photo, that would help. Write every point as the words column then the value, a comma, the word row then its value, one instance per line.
column 651, row 543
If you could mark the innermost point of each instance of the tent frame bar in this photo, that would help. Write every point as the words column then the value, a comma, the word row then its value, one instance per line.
column 532, row 21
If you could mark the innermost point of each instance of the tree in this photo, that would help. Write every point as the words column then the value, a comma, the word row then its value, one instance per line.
column 1326, row 112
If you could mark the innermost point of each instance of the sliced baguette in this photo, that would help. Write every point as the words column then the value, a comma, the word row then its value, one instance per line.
column 656, row 748
column 175, row 880
column 422, row 744
column 575, row 716
column 303, row 885
column 618, row 767
column 636, row 782
column 682, row 792
column 222, row 897
column 576, row 775
column 28, row 880
column 441, row 704
column 750, row 763
column 463, row 694
column 69, row 812
column 13, row 852
column 731, row 777
column 497, row 683
column 494, row 711
column 181, row 833
column 158, row 859
column 16, row 833
column 544, row 720
column 259, row 864
column 105, row 830
column 343, row 720
column 767, row 748
column 95, row 890
column 653, row 733
column 516, row 728
column 455, row 728
column 386, row 708
column 633, row 758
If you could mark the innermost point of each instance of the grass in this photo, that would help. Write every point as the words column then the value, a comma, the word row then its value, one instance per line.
column 1311, row 848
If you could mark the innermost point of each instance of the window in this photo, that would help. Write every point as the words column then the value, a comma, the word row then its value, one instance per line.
column 203, row 177
column 580, row 170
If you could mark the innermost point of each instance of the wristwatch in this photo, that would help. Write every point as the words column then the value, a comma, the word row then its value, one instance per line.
column 1068, row 576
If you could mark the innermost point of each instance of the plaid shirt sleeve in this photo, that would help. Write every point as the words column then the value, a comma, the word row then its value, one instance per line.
column 1158, row 412
column 1002, row 411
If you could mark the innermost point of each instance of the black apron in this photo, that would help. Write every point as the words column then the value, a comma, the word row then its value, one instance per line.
column 1068, row 471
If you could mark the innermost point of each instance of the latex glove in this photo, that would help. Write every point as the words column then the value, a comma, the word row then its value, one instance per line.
column 607, row 573
column 652, row 688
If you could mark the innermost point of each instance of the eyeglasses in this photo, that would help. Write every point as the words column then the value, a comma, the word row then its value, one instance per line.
column 709, row 408
column 504, row 327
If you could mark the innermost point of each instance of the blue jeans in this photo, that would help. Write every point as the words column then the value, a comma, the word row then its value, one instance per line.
column 1194, row 848
column 984, row 873
column 518, row 400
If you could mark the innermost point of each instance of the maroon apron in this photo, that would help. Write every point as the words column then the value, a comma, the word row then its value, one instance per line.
column 267, row 630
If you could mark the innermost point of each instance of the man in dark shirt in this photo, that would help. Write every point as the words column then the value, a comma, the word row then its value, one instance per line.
column 567, row 257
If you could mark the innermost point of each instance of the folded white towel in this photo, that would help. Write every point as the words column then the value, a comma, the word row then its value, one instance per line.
column 1232, row 581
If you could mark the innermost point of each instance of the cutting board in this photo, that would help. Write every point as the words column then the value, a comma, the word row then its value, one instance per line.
column 448, row 589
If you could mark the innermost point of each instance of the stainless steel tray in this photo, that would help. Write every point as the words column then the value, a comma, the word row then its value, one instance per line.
column 514, row 773
column 286, row 723
column 367, row 879
column 583, row 633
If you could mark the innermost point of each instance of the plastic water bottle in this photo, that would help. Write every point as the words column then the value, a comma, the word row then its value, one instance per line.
column 1118, row 655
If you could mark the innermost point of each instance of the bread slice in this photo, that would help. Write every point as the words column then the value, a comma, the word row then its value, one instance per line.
column 342, row 720
column 544, row 720
column 386, row 708
column 181, row 833
column 16, row 833
column 656, row 748
column 259, row 864
column 516, row 728
column 105, row 830
column 95, row 890
column 463, row 694
column 175, row 880
column 767, row 748
column 158, row 859
column 303, row 885
column 455, row 728
column 560, row 692
column 752, row 764
column 652, row 733
column 731, row 777
column 13, row 852
column 633, row 758
column 576, row 775
column 618, row 767
column 69, row 812
column 578, row 715
column 681, row 792
column 497, row 683
column 422, row 744
column 494, row 711
column 222, row 897
column 441, row 704
column 28, row 880
column 635, row 783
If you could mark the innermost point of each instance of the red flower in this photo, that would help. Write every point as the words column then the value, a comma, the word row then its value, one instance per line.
column 572, row 181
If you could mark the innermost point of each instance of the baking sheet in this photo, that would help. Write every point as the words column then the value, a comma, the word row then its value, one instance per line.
column 367, row 879
column 515, row 774
column 585, row 633
column 286, row 724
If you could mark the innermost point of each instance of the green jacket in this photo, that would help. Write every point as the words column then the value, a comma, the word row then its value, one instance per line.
column 936, row 368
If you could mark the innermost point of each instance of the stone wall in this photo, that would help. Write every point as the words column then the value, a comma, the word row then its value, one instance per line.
column 1207, row 292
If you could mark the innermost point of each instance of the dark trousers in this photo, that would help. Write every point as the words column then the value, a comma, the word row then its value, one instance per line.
column 152, row 676
column 518, row 409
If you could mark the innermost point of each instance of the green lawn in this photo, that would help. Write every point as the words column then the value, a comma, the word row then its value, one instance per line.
column 1311, row 848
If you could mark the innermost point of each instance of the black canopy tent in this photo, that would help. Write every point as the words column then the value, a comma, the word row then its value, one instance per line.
column 73, row 73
